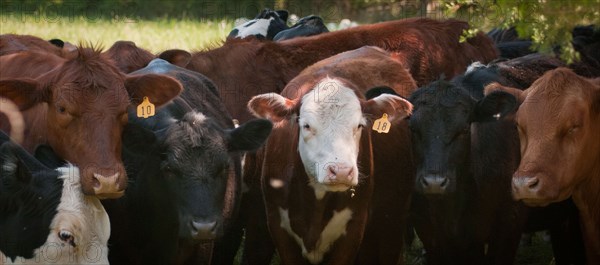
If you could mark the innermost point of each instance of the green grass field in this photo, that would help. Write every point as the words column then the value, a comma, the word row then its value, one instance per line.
column 162, row 34
column 156, row 35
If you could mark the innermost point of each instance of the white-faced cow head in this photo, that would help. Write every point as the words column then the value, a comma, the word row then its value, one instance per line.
column 331, row 118
column 44, row 216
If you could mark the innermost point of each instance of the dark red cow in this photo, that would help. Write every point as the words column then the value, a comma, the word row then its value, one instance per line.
column 558, row 123
column 129, row 57
column 79, row 107
column 329, row 182
column 241, row 69
column 13, row 43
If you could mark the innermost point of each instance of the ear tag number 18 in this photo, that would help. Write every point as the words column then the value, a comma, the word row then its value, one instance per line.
column 382, row 125
column 145, row 109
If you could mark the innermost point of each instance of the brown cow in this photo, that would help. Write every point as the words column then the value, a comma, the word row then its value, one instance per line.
column 558, row 123
column 129, row 57
column 241, row 68
column 13, row 43
column 79, row 107
column 322, row 148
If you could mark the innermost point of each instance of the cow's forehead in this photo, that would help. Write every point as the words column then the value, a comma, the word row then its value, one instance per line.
column 331, row 100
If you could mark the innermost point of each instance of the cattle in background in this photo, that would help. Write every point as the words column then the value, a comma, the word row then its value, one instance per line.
column 128, row 57
column 44, row 216
column 185, row 170
column 463, row 161
column 586, row 41
column 519, row 72
column 79, row 107
column 264, row 26
column 306, row 26
column 13, row 43
column 242, row 69
column 558, row 120
column 509, row 44
column 335, row 191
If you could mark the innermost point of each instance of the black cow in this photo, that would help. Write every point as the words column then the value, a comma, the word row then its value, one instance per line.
column 264, row 26
column 519, row 72
column 586, row 40
column 464, row 163
column 44, row 209
column 306, row 26
column 185, row 167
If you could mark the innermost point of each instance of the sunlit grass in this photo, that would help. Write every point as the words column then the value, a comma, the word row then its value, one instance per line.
column 155, row 35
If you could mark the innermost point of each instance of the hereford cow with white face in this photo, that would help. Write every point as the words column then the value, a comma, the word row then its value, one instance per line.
column 323, row 166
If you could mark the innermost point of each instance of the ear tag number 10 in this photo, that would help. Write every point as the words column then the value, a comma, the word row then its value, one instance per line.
column 382, row 125
column 145, row 109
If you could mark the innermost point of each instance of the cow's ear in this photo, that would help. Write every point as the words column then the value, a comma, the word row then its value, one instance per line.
column 517, row 93
column 249, row 136
column 395, row 107
column 177, row 57
column 283, row 14
column 376, row 91
column 13, row 169
column 25, row 93
column 159, row 89
column 272, row 106
column 494, row 106
column 47, row 157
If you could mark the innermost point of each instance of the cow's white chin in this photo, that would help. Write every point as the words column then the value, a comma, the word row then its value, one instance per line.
column 321, row 188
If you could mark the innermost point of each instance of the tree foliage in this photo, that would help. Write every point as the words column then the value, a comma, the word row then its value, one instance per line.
column 548, row 23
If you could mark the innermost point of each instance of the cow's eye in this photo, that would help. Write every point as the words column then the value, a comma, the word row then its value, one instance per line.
column 306, row 127
column 573, row 129
column 61, row 109
column 66, row 237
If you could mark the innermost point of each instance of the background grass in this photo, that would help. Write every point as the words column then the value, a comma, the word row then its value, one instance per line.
column 155, row 35
column 161, row 34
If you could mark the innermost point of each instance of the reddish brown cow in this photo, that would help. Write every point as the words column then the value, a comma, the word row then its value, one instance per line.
column 323, row 147
column 558, row 122
column 13, row 43
column 79, row 107
column 241, row 68
column 129, row 57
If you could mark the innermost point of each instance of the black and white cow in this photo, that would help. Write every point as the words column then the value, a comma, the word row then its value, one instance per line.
column 264, row 26
column 44, row 216
column 306, row 26
column 185, row 170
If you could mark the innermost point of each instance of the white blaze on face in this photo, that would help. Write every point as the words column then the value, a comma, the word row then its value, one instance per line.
column 330, row 124
column 82, row 221
column 259, row 27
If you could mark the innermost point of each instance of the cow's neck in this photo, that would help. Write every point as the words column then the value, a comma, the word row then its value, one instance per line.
column 587, row 199
column 314, row 223
column 448, row 213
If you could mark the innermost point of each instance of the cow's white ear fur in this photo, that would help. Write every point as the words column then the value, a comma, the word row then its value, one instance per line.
column 395, row 107
column 271, row 106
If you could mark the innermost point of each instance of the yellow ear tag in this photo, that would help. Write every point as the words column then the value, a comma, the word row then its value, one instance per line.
column 382, row 125
column 145, row 109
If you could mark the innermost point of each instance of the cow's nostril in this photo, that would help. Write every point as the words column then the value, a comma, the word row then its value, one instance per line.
column 532, row 183
column 424, row 182
column 332, row 170
column 444, row 183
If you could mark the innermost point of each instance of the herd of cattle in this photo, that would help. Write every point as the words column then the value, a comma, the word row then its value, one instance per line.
column 329, row 149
